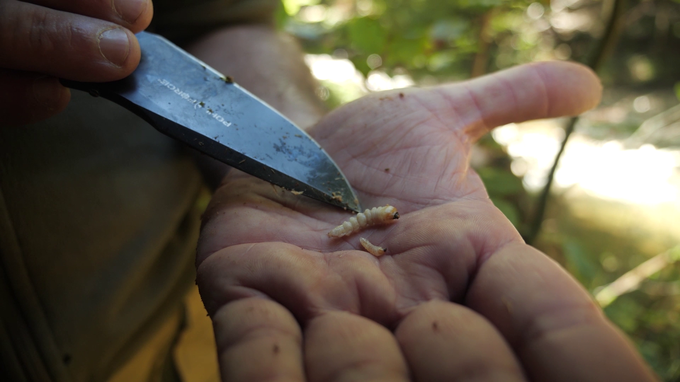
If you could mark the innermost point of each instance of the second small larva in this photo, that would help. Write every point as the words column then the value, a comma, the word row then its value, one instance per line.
column 372, row 248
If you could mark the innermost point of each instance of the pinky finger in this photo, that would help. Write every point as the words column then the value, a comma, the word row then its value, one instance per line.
column 30, row 97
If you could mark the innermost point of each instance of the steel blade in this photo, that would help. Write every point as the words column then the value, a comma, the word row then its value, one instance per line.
column 187, row 100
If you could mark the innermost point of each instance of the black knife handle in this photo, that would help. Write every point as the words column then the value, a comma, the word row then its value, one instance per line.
column 91, row 87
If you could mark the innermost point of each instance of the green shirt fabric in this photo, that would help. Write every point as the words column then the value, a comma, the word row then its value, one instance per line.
column 98, row 225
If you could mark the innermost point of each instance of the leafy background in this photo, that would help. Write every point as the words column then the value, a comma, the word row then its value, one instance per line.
column 624, row 253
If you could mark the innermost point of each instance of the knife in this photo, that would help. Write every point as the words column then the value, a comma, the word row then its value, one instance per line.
column 188, row 100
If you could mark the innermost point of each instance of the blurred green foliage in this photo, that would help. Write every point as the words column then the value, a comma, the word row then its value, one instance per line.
column 440, row 40
column 426, row 38
column 433, row 41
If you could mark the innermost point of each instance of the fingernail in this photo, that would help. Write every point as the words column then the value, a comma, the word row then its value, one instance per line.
column 130, row 10
column 114, row 45
column 47, row 91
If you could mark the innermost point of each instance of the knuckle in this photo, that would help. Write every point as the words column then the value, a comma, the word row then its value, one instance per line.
column 558, row 320
column 26, row 29
column 41, row 31
column 30, row 35
column 135, row 15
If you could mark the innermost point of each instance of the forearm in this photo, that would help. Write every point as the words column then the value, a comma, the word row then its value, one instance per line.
column 267, row 63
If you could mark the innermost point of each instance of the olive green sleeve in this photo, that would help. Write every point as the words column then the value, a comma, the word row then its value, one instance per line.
column 184, row 20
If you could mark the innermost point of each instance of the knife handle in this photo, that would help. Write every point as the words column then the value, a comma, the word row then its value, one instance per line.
column 91, row 87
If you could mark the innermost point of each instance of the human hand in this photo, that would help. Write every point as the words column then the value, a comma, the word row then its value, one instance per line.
column 81, row 40
column 458, row 296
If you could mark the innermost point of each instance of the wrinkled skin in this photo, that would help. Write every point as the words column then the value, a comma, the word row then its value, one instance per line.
column 458, row 295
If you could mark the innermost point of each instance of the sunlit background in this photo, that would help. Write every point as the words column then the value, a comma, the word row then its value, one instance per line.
column 613, row 216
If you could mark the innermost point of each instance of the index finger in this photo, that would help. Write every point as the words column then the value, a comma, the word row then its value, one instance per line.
column 66, row 45
column 552, row 324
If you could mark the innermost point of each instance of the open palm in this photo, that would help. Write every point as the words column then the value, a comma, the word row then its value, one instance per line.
column 458, row 295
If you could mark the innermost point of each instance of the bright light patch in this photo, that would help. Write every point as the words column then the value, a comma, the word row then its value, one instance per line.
column 535, row 11
column 373, row 61
column 642, row 176
column 342, row 72
column 325, row 67
column 642, row 104
column 292, row 7
column 312, row 14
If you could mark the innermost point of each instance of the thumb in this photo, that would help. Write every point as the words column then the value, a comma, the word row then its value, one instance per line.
column 523, row 93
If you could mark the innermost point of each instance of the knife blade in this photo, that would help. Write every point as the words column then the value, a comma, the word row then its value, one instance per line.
column 188, row 100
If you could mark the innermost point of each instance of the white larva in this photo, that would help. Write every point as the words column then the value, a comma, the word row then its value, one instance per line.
column 371, row 248
column 376, row 215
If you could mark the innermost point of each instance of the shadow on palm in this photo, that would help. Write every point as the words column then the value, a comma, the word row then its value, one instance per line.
column 409, row 149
